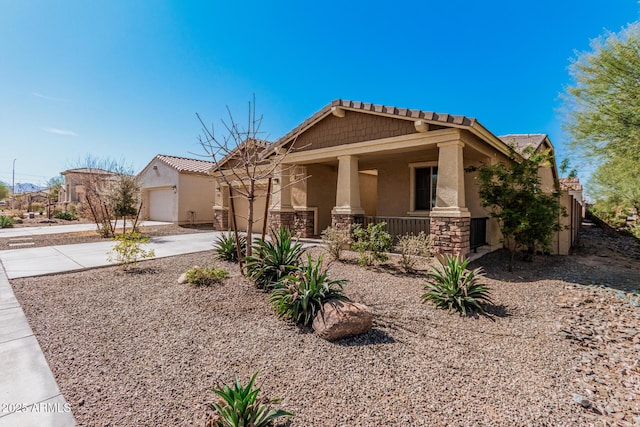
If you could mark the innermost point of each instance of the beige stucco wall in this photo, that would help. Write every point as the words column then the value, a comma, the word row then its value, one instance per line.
column 321, row 186
column 241, row 206
column 369, row 193
column 195, row 194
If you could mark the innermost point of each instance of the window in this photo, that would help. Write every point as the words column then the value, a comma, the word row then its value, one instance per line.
column 425, row 183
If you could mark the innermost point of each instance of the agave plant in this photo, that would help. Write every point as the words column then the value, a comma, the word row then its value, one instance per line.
column 240, row 407
column 6, row 221
column 453, row 287
column 273, row 260
column 227, row 249
column 300, row 297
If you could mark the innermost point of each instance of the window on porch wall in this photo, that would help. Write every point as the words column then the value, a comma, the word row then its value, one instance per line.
column 426, row 181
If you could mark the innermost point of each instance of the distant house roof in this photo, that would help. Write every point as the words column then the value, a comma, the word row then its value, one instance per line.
column 570, row 184
column 522, row 141
column 87, row 170
column 183, row 164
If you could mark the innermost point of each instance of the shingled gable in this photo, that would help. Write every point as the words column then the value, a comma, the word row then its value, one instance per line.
column 345, row 122
column 521, row 141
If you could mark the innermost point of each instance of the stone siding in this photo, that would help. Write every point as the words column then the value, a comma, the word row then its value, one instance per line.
column 221, row 219
column 451, row 235
column 344, row 221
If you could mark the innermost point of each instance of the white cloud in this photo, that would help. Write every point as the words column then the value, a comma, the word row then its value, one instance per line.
column 50, row 98
column 60, row 131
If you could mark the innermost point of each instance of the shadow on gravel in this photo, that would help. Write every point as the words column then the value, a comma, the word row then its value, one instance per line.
column 374, row 336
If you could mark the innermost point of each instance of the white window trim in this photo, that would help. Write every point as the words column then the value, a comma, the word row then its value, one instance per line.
column 412, row 187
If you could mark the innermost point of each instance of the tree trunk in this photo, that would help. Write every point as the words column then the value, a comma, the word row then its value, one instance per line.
column 250, row 200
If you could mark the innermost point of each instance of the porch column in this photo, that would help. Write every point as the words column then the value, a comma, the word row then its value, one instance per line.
column 221, row 207
column 450, row 219
column 347, row 193
column 281, row 213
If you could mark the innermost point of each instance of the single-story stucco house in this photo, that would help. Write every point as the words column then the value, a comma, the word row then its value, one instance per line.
column 366, row 162
column 177, row 189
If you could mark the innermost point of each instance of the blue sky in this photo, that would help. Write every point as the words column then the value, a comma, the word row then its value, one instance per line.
column 124, row 79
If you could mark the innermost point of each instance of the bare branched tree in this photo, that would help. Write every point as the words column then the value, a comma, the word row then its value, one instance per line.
column 109, row 192
column 244, row 162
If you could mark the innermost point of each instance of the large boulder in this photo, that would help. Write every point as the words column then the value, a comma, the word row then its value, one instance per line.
column 342, row 319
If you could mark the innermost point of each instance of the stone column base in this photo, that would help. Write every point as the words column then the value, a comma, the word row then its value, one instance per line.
column 450, row 235
column 300, row 222
column 344, row 221
column 220, row 219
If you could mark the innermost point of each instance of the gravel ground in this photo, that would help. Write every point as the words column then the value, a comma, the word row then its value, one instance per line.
column 140, row 349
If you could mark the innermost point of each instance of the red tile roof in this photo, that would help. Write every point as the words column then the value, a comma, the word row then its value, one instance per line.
column 183, row 164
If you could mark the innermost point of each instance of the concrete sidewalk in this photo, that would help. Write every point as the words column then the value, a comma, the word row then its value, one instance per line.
column 29, row 395
column 59, row 229
column 64, row 258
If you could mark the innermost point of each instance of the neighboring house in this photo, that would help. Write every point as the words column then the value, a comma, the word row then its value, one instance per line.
column 77, row 181
column 366, row 162
column 177, row 189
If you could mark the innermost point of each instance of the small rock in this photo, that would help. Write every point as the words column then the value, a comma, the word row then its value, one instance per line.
column 81, row 402
column 585, row 403
column 183, row 278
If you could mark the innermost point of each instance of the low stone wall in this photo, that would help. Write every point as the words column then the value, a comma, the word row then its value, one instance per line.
column 344, row 221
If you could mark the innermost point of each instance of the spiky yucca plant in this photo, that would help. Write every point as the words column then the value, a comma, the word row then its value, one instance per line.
column 299, row 297
column 453, row 287
column 240, row 407
column 273, row 259
column 227, row 249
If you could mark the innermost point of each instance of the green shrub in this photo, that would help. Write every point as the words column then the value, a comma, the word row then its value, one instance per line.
column 226, row 247
column 299, row 297
column 67, row 216
column 272, row 260
column 336, row 239
column 412, row 248
column 454, row 287
column 371, row 243
column 128, row 250
column 6, row 221
column 205, row 276
column 239, row 406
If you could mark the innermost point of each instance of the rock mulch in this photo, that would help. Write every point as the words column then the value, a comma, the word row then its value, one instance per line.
column 140, row 349
column 604, row 325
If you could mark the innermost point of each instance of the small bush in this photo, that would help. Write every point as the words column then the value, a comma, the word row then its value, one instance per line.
column 454, row 287
column 6, row 221
column 300, row 297
column 371, row 243
column 226, row 247
column 128, row 250
column 273, row 260
column 203, row 276
column 336, row 239
column 67, row 216
column 412, row 248
column 239, row 406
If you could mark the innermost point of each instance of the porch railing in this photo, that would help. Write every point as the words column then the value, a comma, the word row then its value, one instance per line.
column 397, row 226
column 478, row 233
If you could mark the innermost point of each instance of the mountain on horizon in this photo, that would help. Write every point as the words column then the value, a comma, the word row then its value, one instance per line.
column 26, row 187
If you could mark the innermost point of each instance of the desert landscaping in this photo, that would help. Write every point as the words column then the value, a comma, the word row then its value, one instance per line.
column 558, row 346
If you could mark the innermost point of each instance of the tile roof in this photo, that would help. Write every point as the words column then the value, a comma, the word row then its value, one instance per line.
column 379, row 109
column 522, row 141
column 183, row 164
column 88, row 170
column 570, row 184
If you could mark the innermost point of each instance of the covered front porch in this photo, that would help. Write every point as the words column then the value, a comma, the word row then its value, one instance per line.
column 414, row 183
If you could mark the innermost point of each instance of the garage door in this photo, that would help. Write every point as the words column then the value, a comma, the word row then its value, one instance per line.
column 161, row 205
